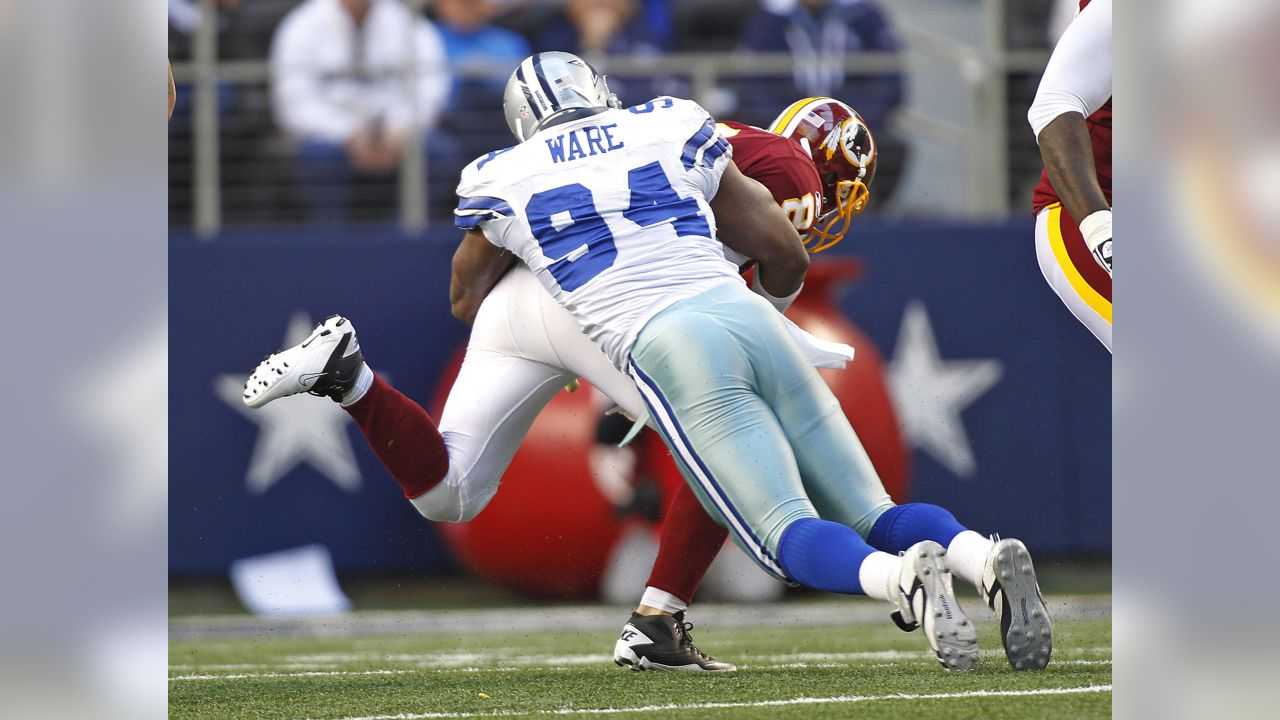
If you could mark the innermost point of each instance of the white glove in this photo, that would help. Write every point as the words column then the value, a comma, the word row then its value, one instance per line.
column 1096, row 230
column 781, row 304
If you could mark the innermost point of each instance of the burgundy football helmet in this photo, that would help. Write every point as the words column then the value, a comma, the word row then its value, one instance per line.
column 844, row 152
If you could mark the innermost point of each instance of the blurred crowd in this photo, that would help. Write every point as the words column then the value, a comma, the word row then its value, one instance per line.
column 357, row 85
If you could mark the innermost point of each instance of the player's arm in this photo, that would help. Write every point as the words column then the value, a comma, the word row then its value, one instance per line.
column 1067, row 152
column 478, row 265
column 749, row 221
column 1075, row 84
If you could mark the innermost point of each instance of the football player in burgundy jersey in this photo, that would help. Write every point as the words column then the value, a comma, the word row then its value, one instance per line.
column 1071, row 116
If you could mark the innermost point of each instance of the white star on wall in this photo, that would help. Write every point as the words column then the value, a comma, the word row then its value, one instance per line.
column 294, row 430
column 929, row 393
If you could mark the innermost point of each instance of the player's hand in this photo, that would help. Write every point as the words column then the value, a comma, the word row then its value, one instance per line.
column 1102, row 254
column 1096, row 231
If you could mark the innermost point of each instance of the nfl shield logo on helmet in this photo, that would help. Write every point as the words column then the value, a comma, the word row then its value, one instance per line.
column 524, row 112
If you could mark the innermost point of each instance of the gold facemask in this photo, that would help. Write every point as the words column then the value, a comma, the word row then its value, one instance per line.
column 851, row 199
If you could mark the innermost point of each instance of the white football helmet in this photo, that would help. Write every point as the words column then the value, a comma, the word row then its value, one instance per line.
column 549, row 83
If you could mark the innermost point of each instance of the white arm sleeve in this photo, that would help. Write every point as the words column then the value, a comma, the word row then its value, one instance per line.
column 1078, row 77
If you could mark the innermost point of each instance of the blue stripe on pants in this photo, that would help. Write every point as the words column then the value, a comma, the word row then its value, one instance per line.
column 679, row 443
column 760, row 437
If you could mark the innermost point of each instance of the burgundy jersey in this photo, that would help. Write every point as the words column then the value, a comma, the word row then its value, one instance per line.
column 780, row 164
column 1099, row 125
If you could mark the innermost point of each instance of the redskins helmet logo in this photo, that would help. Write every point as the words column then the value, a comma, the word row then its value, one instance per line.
column 854, row 140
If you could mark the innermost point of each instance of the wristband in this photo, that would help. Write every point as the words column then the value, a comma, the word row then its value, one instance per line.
column 781, row 304
column 1096, row 229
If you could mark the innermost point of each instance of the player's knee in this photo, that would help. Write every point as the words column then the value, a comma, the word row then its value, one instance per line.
column 446, row 503
column 437, row 511
column 441, row 504
column 785, row 514
column 469, row 510
column 865, row 524
column 902, row 526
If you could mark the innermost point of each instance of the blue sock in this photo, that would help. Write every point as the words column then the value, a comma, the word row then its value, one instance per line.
column 902, row 526
column 823, row 555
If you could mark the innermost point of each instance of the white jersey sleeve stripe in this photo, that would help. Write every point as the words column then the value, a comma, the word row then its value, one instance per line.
column 472, row 211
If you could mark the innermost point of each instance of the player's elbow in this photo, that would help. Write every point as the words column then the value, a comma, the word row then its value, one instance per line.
column 782, row 271
column 797, row 258
column 787, row 256
column 462, row 311
column 464, row 307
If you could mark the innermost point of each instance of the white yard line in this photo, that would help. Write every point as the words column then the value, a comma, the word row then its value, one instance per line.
column 256, row 676
column 839, row 699
column 322, row 665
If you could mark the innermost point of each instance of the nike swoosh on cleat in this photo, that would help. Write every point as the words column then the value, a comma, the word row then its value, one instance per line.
column 309, row 378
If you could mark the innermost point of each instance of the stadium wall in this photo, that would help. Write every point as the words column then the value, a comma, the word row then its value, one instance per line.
column 967, row 326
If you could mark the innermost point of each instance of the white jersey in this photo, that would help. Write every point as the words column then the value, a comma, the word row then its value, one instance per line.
column 609, row 212
column 523, row 349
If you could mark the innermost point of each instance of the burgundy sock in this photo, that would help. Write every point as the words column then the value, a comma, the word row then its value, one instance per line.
column 689, row 543
column 403, row 436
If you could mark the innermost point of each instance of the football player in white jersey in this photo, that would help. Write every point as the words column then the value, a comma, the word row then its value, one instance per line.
column 626, row 244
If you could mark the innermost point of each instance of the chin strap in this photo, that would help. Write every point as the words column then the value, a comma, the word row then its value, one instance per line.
column 851, row 198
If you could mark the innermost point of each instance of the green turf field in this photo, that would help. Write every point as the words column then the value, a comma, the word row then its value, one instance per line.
column 866, row 669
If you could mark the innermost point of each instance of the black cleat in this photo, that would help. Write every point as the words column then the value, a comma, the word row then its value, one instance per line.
column 662, row 642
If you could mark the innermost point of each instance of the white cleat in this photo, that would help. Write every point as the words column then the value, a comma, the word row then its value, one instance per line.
column 1009, row 587
column 327, row 363
column 927, row 601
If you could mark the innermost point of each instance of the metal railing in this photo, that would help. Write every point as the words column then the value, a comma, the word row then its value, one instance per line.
column 982, row 139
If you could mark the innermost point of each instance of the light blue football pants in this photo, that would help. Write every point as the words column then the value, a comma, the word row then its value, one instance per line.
column 757, row 433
